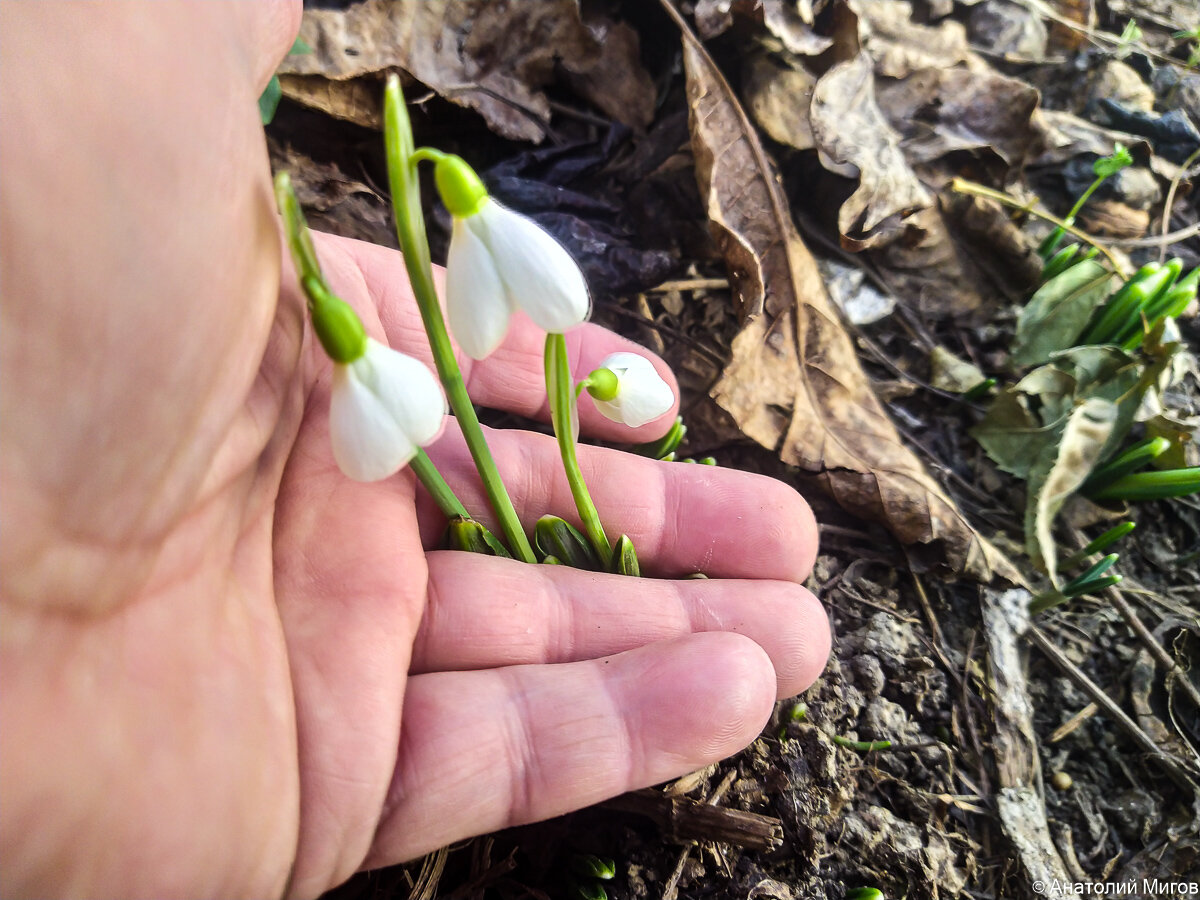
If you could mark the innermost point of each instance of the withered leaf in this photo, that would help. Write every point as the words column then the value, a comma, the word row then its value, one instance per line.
column 794, row 383
column 939, row 111
column 853, row 136
column 779, row 98
column 490, row 57
column 898, row 45
column 792, row 24
column 1059, row 472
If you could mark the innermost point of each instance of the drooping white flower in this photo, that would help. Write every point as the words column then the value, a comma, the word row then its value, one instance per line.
column 501, row 261
column 635, row 394
column 384, row 406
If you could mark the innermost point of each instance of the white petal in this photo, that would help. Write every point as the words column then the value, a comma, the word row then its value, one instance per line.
column 621, row 361
column 408, row 391
column 476, row 302
column 538, row 273
column 642, row 394
column 368, row 443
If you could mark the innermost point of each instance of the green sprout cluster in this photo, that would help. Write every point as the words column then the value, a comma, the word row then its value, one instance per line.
column 1098, row 343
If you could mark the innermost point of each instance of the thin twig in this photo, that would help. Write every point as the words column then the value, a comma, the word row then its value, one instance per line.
column 1174, row 670
column 690, row 284
column 1165, row 240
column 1096, row 37
column 963, row 186
column 1117, row 715
column 1170, row 202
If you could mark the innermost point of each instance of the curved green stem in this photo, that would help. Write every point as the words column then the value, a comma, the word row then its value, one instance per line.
column 414, row 244
column 441, row 493
column 563, row 415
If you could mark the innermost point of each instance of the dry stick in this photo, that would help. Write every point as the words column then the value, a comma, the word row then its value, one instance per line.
column 688, row 820
column 1179, row 675
column 1072, row 723
column 1172, row 768
column 1170, row 202
column 1164, row 240
column 671, row 887
column 1173, row 669
column 962, row 186
column 1096, row 37
column 690, row 284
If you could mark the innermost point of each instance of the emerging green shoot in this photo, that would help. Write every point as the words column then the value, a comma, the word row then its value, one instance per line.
column 1143, row 486
column 586, row 865
column 1133, row 459
column 861, row 746
column 560, row 540
column 1104, row 541
column 666, row 444
column 1123, row 310
column 464, row 533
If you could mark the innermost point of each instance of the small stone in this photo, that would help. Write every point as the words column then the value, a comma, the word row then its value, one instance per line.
column 1061, row 781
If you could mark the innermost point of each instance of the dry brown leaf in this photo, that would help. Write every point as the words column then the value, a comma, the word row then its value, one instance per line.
column 794, row 383
column 358, row 101
column 779, row 98
column 332, row 201
column 900, row 46
column 490, row 57
column 793, row 26
column 939, row 111
column 616, row 83
column 853, row 136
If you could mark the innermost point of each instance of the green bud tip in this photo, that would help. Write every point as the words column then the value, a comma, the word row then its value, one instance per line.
column 461, row 190
column 602, row 384
column 337, row 325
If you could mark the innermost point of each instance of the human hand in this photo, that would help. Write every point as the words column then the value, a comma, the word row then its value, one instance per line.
column 228, row 669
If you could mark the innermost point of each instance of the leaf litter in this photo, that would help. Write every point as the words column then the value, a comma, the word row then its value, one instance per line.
column 868, row 112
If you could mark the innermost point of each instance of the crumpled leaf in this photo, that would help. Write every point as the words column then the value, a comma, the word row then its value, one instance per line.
column 490, row 57
column 1060, row 470
column 794, row 383
column 792, row 24
column 940, row 111
column 854, row 138
column 949, row 373
column 333, row 201
column 1056, row 315
column 779, row 98
column 899, row 46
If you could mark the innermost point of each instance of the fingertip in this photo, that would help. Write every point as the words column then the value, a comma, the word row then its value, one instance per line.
column 732, row 693
column 809, row 641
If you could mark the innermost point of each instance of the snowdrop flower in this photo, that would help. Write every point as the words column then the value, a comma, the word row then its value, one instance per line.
column 501, row 261
column 628, row 389
column 384, row 406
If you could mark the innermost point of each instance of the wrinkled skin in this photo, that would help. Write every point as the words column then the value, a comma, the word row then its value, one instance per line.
column 227, row 669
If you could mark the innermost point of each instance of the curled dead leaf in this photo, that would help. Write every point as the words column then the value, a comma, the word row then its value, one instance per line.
column 794, row 383
column 490, row 57
column 853, row 137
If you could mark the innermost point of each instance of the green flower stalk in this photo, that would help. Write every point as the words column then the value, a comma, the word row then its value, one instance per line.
column 1103, row 168
column 384, row 406
column 414, row 243
column 565, row 418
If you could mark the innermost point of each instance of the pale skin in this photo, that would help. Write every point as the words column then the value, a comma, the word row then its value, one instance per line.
column 227, row 669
